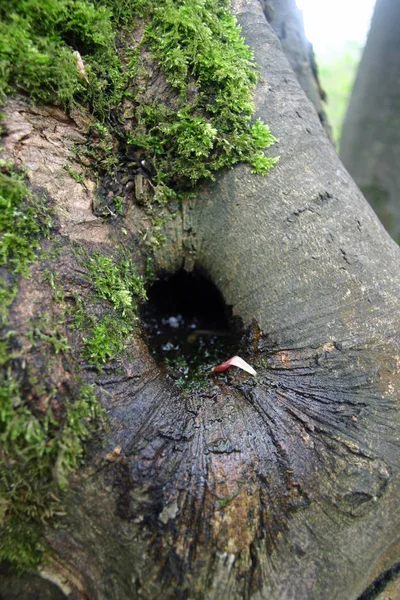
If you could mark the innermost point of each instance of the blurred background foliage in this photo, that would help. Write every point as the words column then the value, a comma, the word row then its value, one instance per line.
column 357, row 51
column 338, row 30
column 337, row 71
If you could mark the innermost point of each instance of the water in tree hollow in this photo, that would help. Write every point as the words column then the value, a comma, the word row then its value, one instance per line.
column 189, row 328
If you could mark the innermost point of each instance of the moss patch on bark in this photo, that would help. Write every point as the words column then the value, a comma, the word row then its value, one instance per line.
column 197, row 46
column 42, row 431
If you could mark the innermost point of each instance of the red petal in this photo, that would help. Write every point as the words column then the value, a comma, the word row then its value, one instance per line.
column 235, row 361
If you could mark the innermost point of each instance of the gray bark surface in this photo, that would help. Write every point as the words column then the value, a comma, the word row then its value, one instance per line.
column 287, row 22
column 370, row 144
column 283, row 486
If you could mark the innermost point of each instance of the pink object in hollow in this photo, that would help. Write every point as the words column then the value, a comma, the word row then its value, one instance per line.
column 81, row 66
column 235, row 361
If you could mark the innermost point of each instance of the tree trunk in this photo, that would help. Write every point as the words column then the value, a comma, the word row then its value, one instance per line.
column 287, row 22
column 281, row 486
column 370, row 144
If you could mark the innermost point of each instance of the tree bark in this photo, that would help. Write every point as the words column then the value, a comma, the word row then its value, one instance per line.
column 370, row 143
column 283, row 486
column 287, row 22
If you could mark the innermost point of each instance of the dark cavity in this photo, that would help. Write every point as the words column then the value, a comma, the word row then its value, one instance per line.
column 189, row 328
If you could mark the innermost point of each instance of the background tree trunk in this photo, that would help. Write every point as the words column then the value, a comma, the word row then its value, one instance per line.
column 280, row 486
column 370, row 144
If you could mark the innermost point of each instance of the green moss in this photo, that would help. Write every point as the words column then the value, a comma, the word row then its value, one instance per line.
column 119, row 205
column 58, row 342
column 262, row 164
column 37, row 453
column 199, row 48
column 37, row 41
column 224, row 502
column 21, row 542
column 42, row 434
column 58, row 292
column 115, row 281
column 197, row 45
column 106, row 340
column 82, row 415
column 75, row 176
column 24, row 218
column 149, row 272
column 189, row 372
